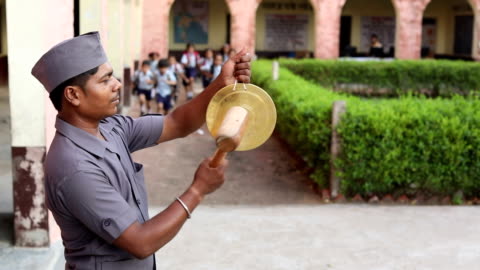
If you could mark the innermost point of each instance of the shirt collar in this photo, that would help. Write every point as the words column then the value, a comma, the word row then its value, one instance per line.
column 81, row 138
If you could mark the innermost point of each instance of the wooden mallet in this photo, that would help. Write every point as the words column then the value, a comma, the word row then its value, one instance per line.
column 229, row 133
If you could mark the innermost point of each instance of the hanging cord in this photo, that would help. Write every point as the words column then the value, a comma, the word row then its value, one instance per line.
column 235, row 86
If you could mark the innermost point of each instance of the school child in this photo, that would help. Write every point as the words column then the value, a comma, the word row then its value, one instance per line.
column 190, row 60
column 177, row 69
column 144, row 80
column 205, row 67
column 164, row 81
column 216, row 67
column 224, row 52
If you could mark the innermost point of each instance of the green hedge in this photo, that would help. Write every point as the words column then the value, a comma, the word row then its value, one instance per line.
column 430, row 77
column 405, row 145
column 411, row 145
column 304, row 112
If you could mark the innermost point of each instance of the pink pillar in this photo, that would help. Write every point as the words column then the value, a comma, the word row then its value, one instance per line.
column 476, row 29
column 155, row 27
column 327, row 27
column 408, row 34
column 242, row 31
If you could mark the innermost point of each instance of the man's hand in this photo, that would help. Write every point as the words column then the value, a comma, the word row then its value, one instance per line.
column 191, row 116
column 236, row 68
column 208, row 179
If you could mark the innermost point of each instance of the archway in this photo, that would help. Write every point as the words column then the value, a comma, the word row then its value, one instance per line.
column 364, row 18
column 448, row 29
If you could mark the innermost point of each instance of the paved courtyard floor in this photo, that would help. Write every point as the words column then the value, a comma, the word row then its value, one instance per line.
column 336, row 237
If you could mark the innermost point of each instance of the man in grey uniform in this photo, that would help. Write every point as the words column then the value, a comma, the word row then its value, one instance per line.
column 95, row 190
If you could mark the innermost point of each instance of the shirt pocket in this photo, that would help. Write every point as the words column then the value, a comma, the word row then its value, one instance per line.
column 140, row 190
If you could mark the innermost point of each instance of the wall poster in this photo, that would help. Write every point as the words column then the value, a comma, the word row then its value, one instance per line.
column 285, row 32
column 190, row 21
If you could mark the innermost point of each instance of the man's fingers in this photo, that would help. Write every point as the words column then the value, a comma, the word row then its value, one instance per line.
column 243, row 78
column 240, row 66
column 245, row 72
column 223, row 166
column 242, row 56
column 245, row 58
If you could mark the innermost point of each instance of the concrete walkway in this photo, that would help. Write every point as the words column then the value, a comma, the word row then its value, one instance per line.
column 337, row 237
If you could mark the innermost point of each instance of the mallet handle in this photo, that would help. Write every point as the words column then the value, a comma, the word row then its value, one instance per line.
column 217, row 158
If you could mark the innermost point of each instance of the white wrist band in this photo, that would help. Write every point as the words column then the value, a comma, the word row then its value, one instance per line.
column 189, row 215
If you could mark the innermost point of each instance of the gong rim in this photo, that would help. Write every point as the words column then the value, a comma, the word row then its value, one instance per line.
column 261, row 110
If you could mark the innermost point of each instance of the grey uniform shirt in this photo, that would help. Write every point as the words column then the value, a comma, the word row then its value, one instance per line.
column 95, row 190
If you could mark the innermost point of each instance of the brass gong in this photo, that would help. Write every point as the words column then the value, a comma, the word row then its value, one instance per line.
column 262, row 114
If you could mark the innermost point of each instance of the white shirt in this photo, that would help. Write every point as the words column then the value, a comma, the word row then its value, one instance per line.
column 163, row 88
column 176, row 69
column 141, row 79
column 189, row 59
column 216, row 71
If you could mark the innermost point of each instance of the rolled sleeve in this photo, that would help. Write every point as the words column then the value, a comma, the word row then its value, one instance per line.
column 91, row 199
column 141, row 132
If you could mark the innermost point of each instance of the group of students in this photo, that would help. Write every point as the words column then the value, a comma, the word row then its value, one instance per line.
column 157, row 78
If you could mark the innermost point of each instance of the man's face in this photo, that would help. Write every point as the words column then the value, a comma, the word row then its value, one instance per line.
column 145, row 68
column 101, row 94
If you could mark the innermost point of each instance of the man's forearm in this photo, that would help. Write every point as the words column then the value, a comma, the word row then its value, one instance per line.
column 163, row 227
column 142, row 240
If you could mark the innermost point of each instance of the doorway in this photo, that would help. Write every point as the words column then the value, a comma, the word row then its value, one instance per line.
column 345, row 36
column 463, row 35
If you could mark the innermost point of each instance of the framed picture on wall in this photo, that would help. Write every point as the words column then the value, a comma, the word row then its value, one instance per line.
column 190, row 21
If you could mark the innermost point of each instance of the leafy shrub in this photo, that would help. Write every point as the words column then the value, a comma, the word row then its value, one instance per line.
column 410, row 145
column 429, row 77
column 405, row 145
column 303, row 114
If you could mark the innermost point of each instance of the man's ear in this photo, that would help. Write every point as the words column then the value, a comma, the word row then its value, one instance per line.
column 73, row 94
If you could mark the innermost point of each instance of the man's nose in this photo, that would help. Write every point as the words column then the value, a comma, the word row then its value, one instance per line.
column 118, row 85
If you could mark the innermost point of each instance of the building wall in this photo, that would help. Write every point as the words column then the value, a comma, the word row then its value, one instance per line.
column 115, row 39
column 137, row 35
column 443, row 11
column 119, row 23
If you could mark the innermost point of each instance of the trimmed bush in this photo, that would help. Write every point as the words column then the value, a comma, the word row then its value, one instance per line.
column 406, row 145
column 304, row 114
column 411, row 145
column 428, row 77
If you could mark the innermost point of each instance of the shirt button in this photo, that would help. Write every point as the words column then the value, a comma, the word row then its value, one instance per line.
column 138, row 201
column 107, row 222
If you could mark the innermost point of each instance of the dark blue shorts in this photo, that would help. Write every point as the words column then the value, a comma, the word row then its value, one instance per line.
column 191, row 72
column 146, row 92
column 166, row 101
